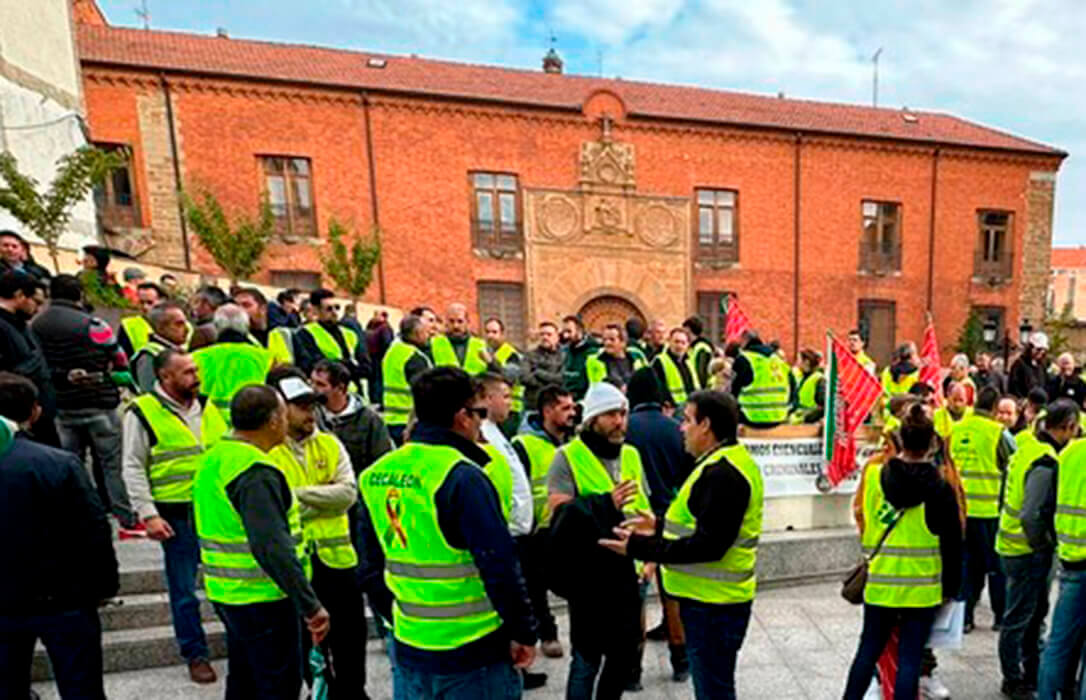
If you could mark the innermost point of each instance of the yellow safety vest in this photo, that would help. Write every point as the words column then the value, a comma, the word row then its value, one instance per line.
column 974, row 442
column 397, row 400
column 500, row 474
column 765, row 400
column 674, row 378
column 540, row 452
column 1071, row 503
column 596, row 368
column 502, row 356
column 591, row 477
column 445, row 355
column 138, row 331
column 1011, row 541
column 227, row 367
column 944, row 421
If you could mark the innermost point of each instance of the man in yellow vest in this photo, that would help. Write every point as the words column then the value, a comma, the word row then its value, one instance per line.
column 135, row 331
column 1026, row 546
column 902, row 373
column 1060, row 661
column 957, row 407
column 327, row 338
column 762, row 384
column 457, row 347
column 708, row 546
column 170, row 330
column 438, row 559
column 857, row 347
column 616, row 362
column 809, row 397
column 404, row 360
column 320, row 474
column 594, row 483
column 701, row 348
column 508, row 359
column 233, row 361
column 165, row 431
column 980, row 448
column 675, row 369
column 1007, row 413
column 278, row 341
column 253, row 553
column 546, row 429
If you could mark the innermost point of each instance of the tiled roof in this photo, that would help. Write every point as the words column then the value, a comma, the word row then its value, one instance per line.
column 194, row 53
column 1069, row 258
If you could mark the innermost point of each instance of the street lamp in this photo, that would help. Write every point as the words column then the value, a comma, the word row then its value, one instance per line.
column 989, row 332
column 1023, row 331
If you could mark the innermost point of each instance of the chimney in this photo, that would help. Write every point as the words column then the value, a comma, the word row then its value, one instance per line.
column 221, row 33
column 552, row 62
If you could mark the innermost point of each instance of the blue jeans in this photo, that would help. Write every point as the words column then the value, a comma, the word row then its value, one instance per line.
column 264, row 646
column 879, row 622
column 1020, row 642
column 981, row 561
column 714, row 634
column 99, row 431
column 182, row 556
column 1068, row 620
column 73, row 640
column 496, row 682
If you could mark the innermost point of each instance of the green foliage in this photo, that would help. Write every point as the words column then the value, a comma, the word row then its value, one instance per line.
column 100, row 293
column 971, row 336
column 236, row 248
column 1057, row 327
column 351, row 270
column 46, row 215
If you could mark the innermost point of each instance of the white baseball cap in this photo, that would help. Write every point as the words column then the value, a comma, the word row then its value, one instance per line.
column 1039, row 340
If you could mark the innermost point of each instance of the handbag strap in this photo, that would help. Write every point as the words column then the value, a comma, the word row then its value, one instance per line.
column 886, row 533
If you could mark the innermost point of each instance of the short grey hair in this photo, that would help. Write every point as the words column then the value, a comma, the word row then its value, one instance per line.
column 409, row 325
column 960, row 360
column 157, row 315
column 230, row 317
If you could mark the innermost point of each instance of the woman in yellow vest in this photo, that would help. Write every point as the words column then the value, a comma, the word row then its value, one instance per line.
column 709, row 542
column 918, row 567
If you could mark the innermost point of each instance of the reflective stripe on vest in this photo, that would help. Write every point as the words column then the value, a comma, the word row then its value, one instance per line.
column 674, row 378
column 445, row 355
column 174, row 456
column 540, row 453
column 328, row 345
column 227, row 367
column 440, row 601
column 502, row 356
column 396, row 400
column 765, row 399
column 231, row 573
column 281, row 345
column 732, row 578
column 138, row 331
column 1071, row 503
column 974, row 442
column 907, row 571
column 596, row 368
column 328, row 534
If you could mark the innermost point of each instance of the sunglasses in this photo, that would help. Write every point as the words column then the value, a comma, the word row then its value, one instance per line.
column 330, row 307
column 479, row 412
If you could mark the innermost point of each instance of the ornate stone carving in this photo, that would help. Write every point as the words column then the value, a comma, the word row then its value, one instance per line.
column 657, row 226
column 607, row 215
column 558, row 217
column 607, row 164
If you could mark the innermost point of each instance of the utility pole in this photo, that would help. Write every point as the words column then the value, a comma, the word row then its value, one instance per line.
column 144, row 14
column 875, row 79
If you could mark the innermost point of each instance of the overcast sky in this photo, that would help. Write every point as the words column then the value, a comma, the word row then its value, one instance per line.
column 1013, row 64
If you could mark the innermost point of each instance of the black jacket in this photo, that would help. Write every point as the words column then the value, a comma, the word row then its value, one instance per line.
column 666, row 463
column 578, row 568
column 73, row 339
column 1026, row 374
column 908, row 484
column 307, row 354
column 1061, row 387
column 21, row 353
column 58, row 546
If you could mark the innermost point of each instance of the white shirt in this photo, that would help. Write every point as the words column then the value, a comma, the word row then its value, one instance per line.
column 520, row 516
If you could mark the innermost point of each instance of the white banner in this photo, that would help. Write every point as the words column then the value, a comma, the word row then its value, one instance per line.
column 790, row 467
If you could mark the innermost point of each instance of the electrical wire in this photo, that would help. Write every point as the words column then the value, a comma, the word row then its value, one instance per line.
column 39, row 125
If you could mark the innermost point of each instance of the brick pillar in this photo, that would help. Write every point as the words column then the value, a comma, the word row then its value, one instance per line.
column 1037, row 247
column 161, row 187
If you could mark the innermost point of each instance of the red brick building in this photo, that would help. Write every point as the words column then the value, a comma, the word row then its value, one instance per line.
column 532, row 193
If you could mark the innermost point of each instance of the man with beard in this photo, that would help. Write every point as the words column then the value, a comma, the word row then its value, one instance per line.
column 170, row 329
column 164, row 433
column 319, row 472
column 542, row 365
column 579, row 348
column 20, row 351
column 594, row 484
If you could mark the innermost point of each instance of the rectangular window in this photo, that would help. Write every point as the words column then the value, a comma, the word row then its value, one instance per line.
column 714, row 319
column 878, row 325
column 718, row 225
column 993, row 258
column 880, row 241
column 504, row 300
column 295, row 279
column 115, row 196
column 288, row 185
column 495, row 211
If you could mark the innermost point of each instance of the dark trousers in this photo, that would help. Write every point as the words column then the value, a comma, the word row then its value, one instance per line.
column 339, row 593
column 73, row 640
column 494, row 682
column 532, row 552
column 714, row 634
column 98, row 431
column 181, row 554
column 1029, row 578
column 879, row 622
column 264, row 644
column 396, row 433
column 982, row 561
column 605, row 637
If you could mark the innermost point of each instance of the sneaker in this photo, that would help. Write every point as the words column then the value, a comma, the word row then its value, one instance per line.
column 552, row 649
column 1016, row 690
column 532, row 681
column 931, row 688
column 968, row 627
column 657, row 633
column 200, row 671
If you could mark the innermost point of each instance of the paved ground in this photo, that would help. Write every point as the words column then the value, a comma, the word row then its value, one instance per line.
column 800, row 644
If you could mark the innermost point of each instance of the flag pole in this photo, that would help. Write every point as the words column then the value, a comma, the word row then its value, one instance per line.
column 822, row 481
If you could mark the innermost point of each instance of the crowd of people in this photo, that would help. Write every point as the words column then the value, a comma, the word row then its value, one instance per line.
column 451, row 481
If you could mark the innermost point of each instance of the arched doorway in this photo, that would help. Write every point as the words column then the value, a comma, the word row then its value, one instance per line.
column 606, row 309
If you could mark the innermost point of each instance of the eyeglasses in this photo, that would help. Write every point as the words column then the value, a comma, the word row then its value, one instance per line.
column 479, row 412
column 330, row 307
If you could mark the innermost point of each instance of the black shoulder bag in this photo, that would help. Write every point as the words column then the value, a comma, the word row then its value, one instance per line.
column 852, row 588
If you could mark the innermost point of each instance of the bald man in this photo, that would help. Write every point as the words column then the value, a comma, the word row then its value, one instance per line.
column 1067, row 384
column 956, row 408
column 457, row 347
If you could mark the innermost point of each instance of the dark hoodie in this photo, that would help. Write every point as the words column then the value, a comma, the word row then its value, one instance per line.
column 744, row 376
column 902, row 368
column 908, row 484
